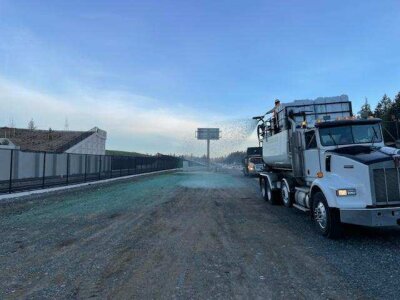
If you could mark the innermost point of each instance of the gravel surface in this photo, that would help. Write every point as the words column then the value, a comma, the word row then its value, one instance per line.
column 185, row 235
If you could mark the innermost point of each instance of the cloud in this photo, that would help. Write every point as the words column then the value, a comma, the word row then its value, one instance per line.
column 119, row 113
column 133, row 122
column 45, row 82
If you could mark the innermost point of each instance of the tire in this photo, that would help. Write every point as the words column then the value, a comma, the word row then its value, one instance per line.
column 269, row 195
column 326, row 219
column 286, row 194
column 263, row 189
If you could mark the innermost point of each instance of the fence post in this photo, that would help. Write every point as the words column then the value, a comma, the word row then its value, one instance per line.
column 111, row 166
column 44, row 169
column 100, row 167
column 120, row 166
column 67, row 168
column 85, row 167
column 11, row 171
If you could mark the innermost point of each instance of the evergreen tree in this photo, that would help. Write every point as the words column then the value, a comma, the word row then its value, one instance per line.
column 383, row 108
column 395, row 108
column 365, row 110
column 378, row 112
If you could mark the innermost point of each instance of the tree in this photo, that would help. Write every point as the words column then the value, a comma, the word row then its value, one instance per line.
column 365, row 110
column 12, row 123
column 383, row 107
column 12, row 127
column 31, row 125
column 378, row 112
column 50, row 134
column 395, row 108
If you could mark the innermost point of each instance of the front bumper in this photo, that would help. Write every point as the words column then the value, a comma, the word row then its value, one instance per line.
column 373, row 217
column 255, row 171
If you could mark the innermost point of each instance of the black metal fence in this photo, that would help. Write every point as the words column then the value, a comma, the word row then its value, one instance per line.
column 22, row 170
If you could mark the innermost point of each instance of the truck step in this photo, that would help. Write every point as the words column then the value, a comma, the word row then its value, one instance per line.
column 302, row 208
column 303, row 189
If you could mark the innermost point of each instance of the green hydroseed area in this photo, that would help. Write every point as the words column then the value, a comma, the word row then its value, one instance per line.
column 210, row 181
column 116, row 197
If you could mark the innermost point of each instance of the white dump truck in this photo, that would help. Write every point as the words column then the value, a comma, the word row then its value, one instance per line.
column 322, row 160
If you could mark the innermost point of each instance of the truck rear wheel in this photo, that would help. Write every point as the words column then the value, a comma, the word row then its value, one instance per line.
column 327, row 220
column 268, row 194
column 263, row 189
column 287, row 196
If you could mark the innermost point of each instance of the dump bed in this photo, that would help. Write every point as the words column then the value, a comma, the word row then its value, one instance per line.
column 276, row 150
column 322, row 108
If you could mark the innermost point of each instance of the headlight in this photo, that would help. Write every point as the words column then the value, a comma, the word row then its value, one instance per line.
column 346, row 192
column 251, row 166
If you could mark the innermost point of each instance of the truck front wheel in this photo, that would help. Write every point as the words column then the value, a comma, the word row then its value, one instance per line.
column 327, row 220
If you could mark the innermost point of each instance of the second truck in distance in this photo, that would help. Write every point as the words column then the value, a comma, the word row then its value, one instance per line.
column 253, row 163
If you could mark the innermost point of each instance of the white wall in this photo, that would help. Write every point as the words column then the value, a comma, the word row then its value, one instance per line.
column 94, row 144
column 5, row 156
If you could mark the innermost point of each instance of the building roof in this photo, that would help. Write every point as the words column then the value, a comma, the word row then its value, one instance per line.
column 43, row 140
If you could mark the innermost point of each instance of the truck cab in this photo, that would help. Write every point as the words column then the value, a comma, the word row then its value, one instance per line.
column 253, row 163
column 338, row 170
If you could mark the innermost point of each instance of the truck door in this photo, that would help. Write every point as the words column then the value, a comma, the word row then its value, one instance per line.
column 311, row 156
column 297, row 154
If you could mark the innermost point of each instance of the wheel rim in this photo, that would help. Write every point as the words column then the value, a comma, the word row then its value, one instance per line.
column 263, row 189
column 320, row 215
column 269, row 193
column 285, row 194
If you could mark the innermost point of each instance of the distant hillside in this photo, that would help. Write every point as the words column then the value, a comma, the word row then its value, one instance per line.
column 232, row 158
column 124, row 153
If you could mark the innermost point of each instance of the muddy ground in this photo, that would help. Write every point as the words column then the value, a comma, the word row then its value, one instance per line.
column 185, row 235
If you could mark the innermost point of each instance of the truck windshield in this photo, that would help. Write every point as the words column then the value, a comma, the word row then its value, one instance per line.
column 352, row 134
column 256, row 160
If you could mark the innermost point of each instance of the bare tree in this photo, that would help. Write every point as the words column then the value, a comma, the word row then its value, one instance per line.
column 31, row 125
column 12, row 127
column 66, row 124
column 12, row 123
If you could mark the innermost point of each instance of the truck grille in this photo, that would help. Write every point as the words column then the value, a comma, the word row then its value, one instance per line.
column 387, row 185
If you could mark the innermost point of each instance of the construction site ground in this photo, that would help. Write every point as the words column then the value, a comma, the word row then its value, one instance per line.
column 188, row 234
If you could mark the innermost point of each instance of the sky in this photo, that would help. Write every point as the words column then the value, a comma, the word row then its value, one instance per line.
column 151, row 72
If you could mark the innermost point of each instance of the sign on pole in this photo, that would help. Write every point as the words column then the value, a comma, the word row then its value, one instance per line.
column 207, row 134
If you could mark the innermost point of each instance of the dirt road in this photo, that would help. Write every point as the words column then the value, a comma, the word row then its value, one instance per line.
column 185, row 235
